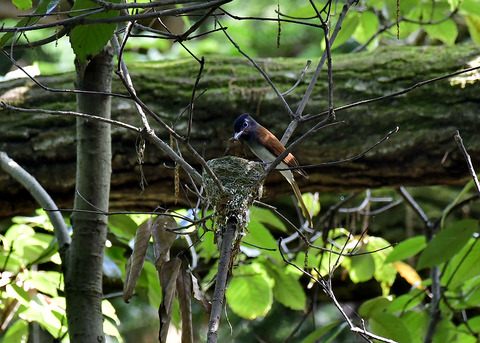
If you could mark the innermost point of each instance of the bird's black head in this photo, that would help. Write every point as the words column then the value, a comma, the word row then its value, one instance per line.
column 244, row 126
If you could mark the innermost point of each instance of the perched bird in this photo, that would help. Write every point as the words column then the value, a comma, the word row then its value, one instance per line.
column 267, row 148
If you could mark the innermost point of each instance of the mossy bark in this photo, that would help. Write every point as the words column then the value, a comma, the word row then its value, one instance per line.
column 423, row 152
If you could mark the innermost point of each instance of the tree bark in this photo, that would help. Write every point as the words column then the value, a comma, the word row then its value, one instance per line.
column 83, row 277
column 423, row 152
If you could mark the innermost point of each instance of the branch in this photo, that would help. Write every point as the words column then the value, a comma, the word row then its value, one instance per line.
column 70, row 114
column 462, row 148
column 41, row 196
column 83, row 20
column 222, row 277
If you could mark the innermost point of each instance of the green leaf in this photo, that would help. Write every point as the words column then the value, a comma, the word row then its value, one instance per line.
column 318, row 333
column 288, row 291
column 445, row 31
column 361, row 268
column 468, row 7
column 385, row 273
column 465, row 265
column 447, row 243
column 122, row 225
column 366, row 28
column 154, row 290
column 40, row 312
column 389, row 326
column 250, row 293
column 312, row 202
column 17, row 332
column 89, row 40
column 406, row 301
column 44, row 282
column 407, row 248
column 369, row 307
column 417, row 323
column 260, row 237
column 349, row 26
column 267, row 217
column 22, row 5
column 473, row 24
column 445, row 332
column 41, row 9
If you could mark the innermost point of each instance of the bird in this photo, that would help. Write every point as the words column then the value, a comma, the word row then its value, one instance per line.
column 267, row 147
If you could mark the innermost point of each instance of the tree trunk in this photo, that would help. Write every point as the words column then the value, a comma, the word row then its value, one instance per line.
column 83, row 279
column 423, row 152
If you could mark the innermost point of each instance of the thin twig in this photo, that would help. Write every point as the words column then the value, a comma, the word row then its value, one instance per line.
column 70, row 114
column 394, row 94
column 462, row 148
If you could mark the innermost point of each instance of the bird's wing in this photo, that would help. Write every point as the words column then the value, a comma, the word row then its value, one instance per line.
column 275, row 147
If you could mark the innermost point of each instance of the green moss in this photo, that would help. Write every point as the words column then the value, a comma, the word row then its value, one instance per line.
column 239, row 178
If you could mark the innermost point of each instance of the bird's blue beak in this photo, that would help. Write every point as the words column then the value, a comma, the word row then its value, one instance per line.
column 237, row 135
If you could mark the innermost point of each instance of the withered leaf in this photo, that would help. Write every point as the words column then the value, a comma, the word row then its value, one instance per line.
column 169, row 273
column 135, row 262
column 163, row 238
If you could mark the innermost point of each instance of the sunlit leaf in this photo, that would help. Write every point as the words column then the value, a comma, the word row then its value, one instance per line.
column 260, row 237
column 408, row 273
column 312, row 202
column 447, row 243
column 17, row 332
column 473, row 24
column 250, row 293
column 367, row 27
column 45, row 282
column 349, row 26
column 406, row 249
column 267, row 217
column 112, row 330
column 362, row 267
column 39, row 311
column 385, row 273
column 22, row 5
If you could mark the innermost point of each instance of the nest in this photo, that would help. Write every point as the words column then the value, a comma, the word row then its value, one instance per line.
column 239, row 178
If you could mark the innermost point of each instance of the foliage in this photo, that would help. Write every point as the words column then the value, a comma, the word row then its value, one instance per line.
column 31, row 287
column 277, row 266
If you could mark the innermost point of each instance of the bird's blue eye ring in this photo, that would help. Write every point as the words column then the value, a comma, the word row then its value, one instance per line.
column 245, row 124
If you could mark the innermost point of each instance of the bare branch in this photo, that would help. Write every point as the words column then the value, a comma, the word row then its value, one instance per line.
column 462, row 148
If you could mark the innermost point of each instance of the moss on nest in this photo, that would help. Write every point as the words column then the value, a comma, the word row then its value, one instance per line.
column 239, row 178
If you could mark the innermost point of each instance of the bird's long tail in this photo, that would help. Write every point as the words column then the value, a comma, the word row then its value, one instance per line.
column 298, row 194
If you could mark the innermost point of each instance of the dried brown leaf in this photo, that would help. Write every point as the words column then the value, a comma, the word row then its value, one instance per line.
column 200, row 295
column 163, row 238
column 184, row 294
column 135, row 262
column 168, row 282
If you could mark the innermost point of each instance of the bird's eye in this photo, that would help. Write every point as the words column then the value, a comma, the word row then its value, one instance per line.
column 245, row 124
